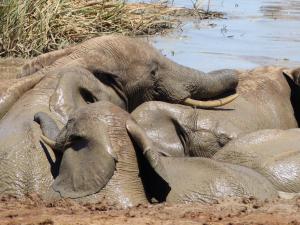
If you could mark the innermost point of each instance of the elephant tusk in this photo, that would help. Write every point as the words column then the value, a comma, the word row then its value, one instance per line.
column 48, row 141
column 212, row 103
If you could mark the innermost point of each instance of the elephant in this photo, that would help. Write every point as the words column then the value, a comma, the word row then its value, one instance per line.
column 138, row 72
column 273, row 153
column 100, row 161
column 266, row 100
column 121, row 70
column 198, row 179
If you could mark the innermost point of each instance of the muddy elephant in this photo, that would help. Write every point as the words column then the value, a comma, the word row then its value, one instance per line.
column 273, row 153
column 99, row 160
column 267, row 100
column 117, row 69
column 138, row 72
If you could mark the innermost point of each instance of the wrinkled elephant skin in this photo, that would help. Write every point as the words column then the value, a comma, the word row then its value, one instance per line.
column 273, row 153
column 98, row 158
column 199, row 179
column 117, row 69
column 137, row 71
column 264, row 103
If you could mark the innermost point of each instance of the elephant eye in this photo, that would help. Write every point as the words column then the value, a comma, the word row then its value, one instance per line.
column 154, row 71
column 87, row 96
column 74, row 137
column 77, row 142
column 154, row 74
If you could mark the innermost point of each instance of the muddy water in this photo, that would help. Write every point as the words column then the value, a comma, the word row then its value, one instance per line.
column 254, row 33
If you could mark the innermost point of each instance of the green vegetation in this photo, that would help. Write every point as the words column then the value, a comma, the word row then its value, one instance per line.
column 31, row 27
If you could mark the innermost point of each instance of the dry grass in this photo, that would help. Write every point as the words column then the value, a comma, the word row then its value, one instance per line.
column 31, row 27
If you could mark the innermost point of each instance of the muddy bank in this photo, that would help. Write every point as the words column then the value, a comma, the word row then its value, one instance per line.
column 33, row 210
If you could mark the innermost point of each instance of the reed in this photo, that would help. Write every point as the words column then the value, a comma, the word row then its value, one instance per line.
column 31, row 27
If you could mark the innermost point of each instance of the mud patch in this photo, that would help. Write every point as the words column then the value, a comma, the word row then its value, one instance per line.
column 33, row 210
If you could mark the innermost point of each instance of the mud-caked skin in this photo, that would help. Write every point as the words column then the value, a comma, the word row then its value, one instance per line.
column 275, row 154
column 197, row 179
column 99, row 160
column 264, row 102
column 136, row 71
column 121, row 70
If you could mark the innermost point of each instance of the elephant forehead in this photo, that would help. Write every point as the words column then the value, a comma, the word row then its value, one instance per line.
column 98, row 115
column 199, row 123
column 100, row 109
column 124, row 49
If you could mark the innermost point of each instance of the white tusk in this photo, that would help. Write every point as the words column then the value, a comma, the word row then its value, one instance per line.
column 210, row 103
column 48, row 141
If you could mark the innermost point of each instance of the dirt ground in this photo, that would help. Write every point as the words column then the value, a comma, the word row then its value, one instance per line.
column 33, row 210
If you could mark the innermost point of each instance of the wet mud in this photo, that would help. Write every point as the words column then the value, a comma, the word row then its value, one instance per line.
column 32, row 210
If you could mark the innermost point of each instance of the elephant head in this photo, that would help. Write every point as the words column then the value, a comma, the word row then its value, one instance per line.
column 198, row 179
column 137, row 72
column 99, row 159
column 97, row 156
column 268, row 100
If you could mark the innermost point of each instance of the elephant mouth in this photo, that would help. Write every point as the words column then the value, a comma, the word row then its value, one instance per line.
column 210, row 103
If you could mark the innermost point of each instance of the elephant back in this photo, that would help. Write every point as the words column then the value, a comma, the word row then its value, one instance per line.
column 273, row 153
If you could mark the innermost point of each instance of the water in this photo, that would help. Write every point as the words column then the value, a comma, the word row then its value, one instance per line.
column 254, row 33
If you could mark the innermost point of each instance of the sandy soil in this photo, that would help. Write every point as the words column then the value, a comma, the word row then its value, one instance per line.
column 32, row 210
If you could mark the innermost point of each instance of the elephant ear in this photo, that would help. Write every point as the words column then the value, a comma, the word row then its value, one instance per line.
column 86, row 167
column 296, row 76
column 293, row 79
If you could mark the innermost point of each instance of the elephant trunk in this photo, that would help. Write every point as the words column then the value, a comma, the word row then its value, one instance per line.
column 52, row 136
column 212, row 85
column 48, row 125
